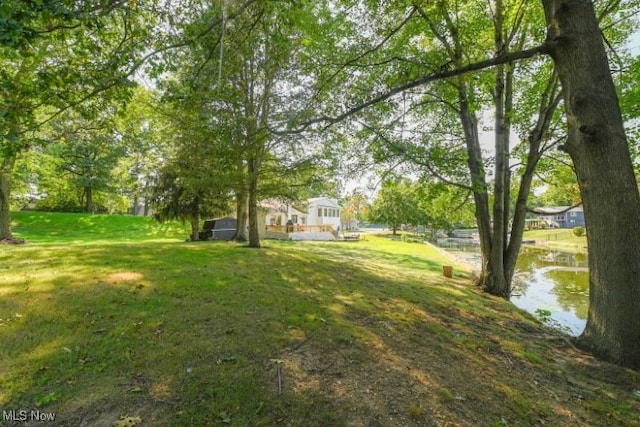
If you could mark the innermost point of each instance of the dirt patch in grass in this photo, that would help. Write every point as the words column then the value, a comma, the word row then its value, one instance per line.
column 295, row 334
column 12, row 241
column 124, row 277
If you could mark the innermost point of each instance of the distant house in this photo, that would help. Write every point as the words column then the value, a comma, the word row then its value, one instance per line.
column 324, row 211
column 560, row 217
column 274, row 212
column 313, row 219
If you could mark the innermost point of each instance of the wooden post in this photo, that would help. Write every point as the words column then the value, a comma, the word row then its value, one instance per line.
column 447, row 271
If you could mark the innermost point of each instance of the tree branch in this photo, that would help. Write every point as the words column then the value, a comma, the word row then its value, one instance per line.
column 377, row 46
column 141, row 62
column 512, row 56
column 403, row 150
column 554, row 212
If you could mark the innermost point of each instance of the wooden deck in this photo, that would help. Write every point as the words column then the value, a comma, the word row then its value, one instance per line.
column 299, row 228
column 301, row 232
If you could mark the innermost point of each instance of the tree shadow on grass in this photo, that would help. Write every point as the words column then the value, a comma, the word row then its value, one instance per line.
column 215, row 335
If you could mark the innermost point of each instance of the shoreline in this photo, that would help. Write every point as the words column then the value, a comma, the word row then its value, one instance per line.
column 467, row 266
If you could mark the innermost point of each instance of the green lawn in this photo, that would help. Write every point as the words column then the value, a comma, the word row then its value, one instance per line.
column 557, row 237
column 77, row 228
column 105, row 317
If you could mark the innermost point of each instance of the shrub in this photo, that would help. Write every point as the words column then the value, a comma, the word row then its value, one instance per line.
column 578, row 231
column 411, row 239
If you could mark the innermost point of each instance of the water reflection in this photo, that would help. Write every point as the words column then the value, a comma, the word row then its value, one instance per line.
column 545, row 279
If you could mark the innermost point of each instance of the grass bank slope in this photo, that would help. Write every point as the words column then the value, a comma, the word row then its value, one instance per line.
column 60, row 228
column 364, row 333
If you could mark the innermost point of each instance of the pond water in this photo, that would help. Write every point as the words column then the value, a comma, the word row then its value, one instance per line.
column 549, row 280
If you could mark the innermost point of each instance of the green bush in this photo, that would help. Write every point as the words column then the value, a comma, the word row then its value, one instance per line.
column 578, row 231
column 411, row 239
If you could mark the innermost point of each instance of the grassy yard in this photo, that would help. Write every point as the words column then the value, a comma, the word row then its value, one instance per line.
column 561, row 238
column 103, row 318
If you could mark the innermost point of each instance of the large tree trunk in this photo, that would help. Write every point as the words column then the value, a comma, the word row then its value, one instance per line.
column 598, row 146
column 6, row 170
column 135, row 202
column 500, row 247
column 548, row 104
column 496, row 282
column 254, row 232
column 88, row 191
column 242, row 213
column 195, row 227
column 476, row 169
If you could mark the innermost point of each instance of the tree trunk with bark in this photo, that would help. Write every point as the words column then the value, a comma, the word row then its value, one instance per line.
column 496, row 281
column 6, row 171
column 499, row 241
column 88, row 192
column 242, row 213
column 469, row 123
column 254, row 234
column 135, row 202
column 599, row 149
column 195, row 227
column 548, row 104
column 475, row 164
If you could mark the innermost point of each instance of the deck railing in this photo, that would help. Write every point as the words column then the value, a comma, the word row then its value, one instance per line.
column 299, row 228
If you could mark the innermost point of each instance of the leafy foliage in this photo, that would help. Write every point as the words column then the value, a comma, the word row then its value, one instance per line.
column 395, row 205
column 578, row 231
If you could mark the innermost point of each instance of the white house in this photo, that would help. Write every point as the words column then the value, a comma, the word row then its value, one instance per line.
column 324, row 211
column 314, row 219
column 275, row 212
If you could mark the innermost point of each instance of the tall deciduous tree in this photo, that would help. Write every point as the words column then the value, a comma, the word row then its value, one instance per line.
column 443, row 207
column 598, row 147
column 355, row 208
column 596, row 143
column 143, row 131
column 87, row 152
column 194, row 180
column 395, row 205
column 53, row 57
column 436, row 128
column 249, row 85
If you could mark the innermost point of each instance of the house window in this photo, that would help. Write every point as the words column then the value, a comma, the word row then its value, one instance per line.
column 294, row 218
column 272, row 220
column 319, row 212
column 325, row 212
column 303, row 220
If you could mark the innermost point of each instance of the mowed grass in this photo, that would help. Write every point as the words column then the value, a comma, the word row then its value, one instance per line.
column 61, row 228
column 106, row 317
column 562, row 238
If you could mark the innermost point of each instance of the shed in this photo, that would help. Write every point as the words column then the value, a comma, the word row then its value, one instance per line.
column 219, row 228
